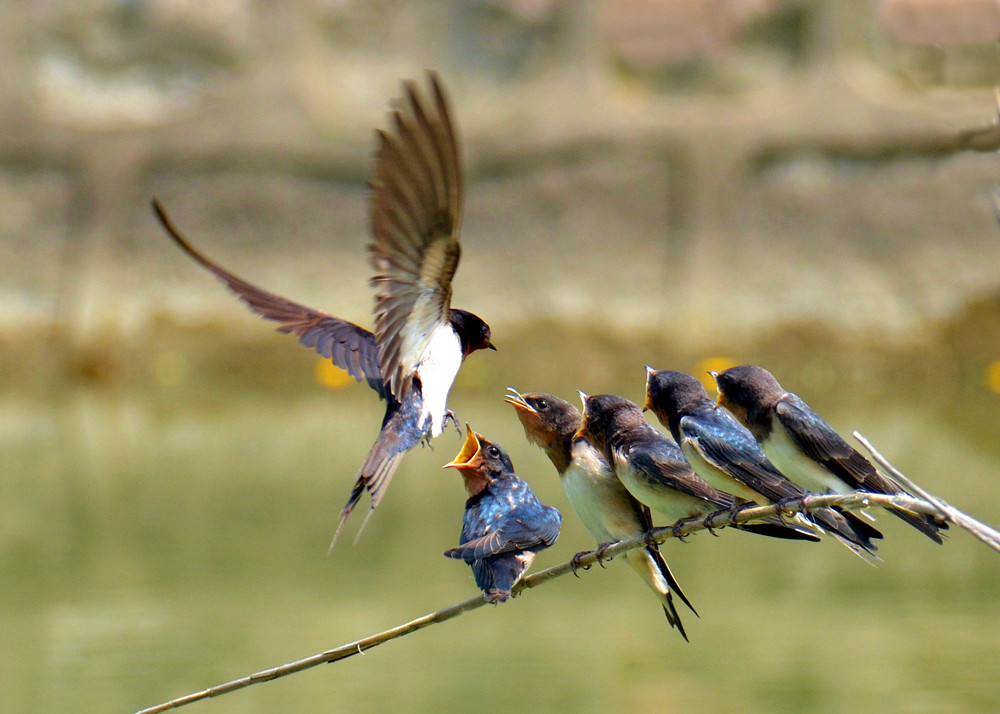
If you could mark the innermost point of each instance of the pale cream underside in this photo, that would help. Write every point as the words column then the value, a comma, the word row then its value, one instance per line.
column 790, row 460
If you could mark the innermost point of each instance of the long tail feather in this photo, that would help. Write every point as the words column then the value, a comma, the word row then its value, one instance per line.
column 375, row 474
column 673, row 618
column 675, row 586
column 862, row 528
column 925, row 524
column 850, row 530
column 649, row 564
column 778, row 530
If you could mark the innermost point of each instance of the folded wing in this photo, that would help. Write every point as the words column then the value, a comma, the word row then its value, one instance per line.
column 512, row 534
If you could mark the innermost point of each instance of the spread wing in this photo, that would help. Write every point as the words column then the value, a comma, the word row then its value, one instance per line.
column 820, row 442
column 350, row 347
column 725, row 444
column 416, row 212
column 512, row 534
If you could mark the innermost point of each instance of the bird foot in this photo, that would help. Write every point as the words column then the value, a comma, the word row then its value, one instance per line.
column 494, row 597
column 601, row 551
column 450, row 416
column 574, row 563
column 735, row 512
column 677, row 531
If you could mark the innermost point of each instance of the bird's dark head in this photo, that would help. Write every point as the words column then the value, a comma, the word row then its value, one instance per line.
column 480, row 462
column 548, row 421
column 747, row 391
column 604, row 415
column 472, row 331
column 671, row 394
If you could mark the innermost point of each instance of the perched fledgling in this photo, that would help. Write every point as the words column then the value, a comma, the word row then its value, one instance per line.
column 653, row 468
column 725, row 454
column 606, row 509
column 419, row 341
column 504, row 524
column 803, row 446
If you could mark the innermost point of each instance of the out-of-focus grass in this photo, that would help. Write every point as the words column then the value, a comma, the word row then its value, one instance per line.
column 168, row 500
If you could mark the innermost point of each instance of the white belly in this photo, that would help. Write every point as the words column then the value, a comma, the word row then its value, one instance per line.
column 784, row 454
column 607, row 511
column 437, row 371
column 598, row 497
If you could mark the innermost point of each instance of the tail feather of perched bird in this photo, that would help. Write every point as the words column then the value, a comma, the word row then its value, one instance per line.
column 850, row 530
column 723, row 452
column 651, row 567
column 606, row 509
column 775, row 528
column 419, row 341
column 805, row 447
column 930, row 528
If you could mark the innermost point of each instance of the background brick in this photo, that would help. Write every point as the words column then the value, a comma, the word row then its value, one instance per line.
column 631, row 161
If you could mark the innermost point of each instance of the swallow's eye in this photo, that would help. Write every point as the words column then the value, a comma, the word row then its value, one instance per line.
column 541, row 405
column 494, row 452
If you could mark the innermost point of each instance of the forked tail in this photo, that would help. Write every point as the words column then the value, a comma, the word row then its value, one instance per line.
column 399, row 434
column 653, row 569
column 374, row 476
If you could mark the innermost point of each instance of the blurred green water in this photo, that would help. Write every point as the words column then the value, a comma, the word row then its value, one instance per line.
column 156, row 542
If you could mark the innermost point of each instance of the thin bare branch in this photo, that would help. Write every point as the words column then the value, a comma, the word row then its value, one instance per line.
column 980, row 530
column 927, row 504
column 334, row 655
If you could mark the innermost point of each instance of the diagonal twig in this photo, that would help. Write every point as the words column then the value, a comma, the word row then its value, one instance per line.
column 926, row 504
column 980, row 530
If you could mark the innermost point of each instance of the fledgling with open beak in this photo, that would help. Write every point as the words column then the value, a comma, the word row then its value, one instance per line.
column 803, row 446
column 606, row 509
column 653, row 468
column 724, row 453
column 419, row 341
column 504, row 525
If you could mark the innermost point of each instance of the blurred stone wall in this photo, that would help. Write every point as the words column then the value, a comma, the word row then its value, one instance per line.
column 690, row 168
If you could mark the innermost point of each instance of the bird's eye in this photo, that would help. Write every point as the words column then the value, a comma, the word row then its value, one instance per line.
column 541, row 405
column 494, row 452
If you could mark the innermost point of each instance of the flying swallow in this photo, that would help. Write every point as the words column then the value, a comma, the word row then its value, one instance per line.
column 803, row 446
column 419, row 341
column 654, row 470
column 504, row 524
column 724, row 453
column 606, row 509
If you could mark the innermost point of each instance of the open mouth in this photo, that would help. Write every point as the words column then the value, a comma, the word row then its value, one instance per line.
column 464, row 459
column 515, row 399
